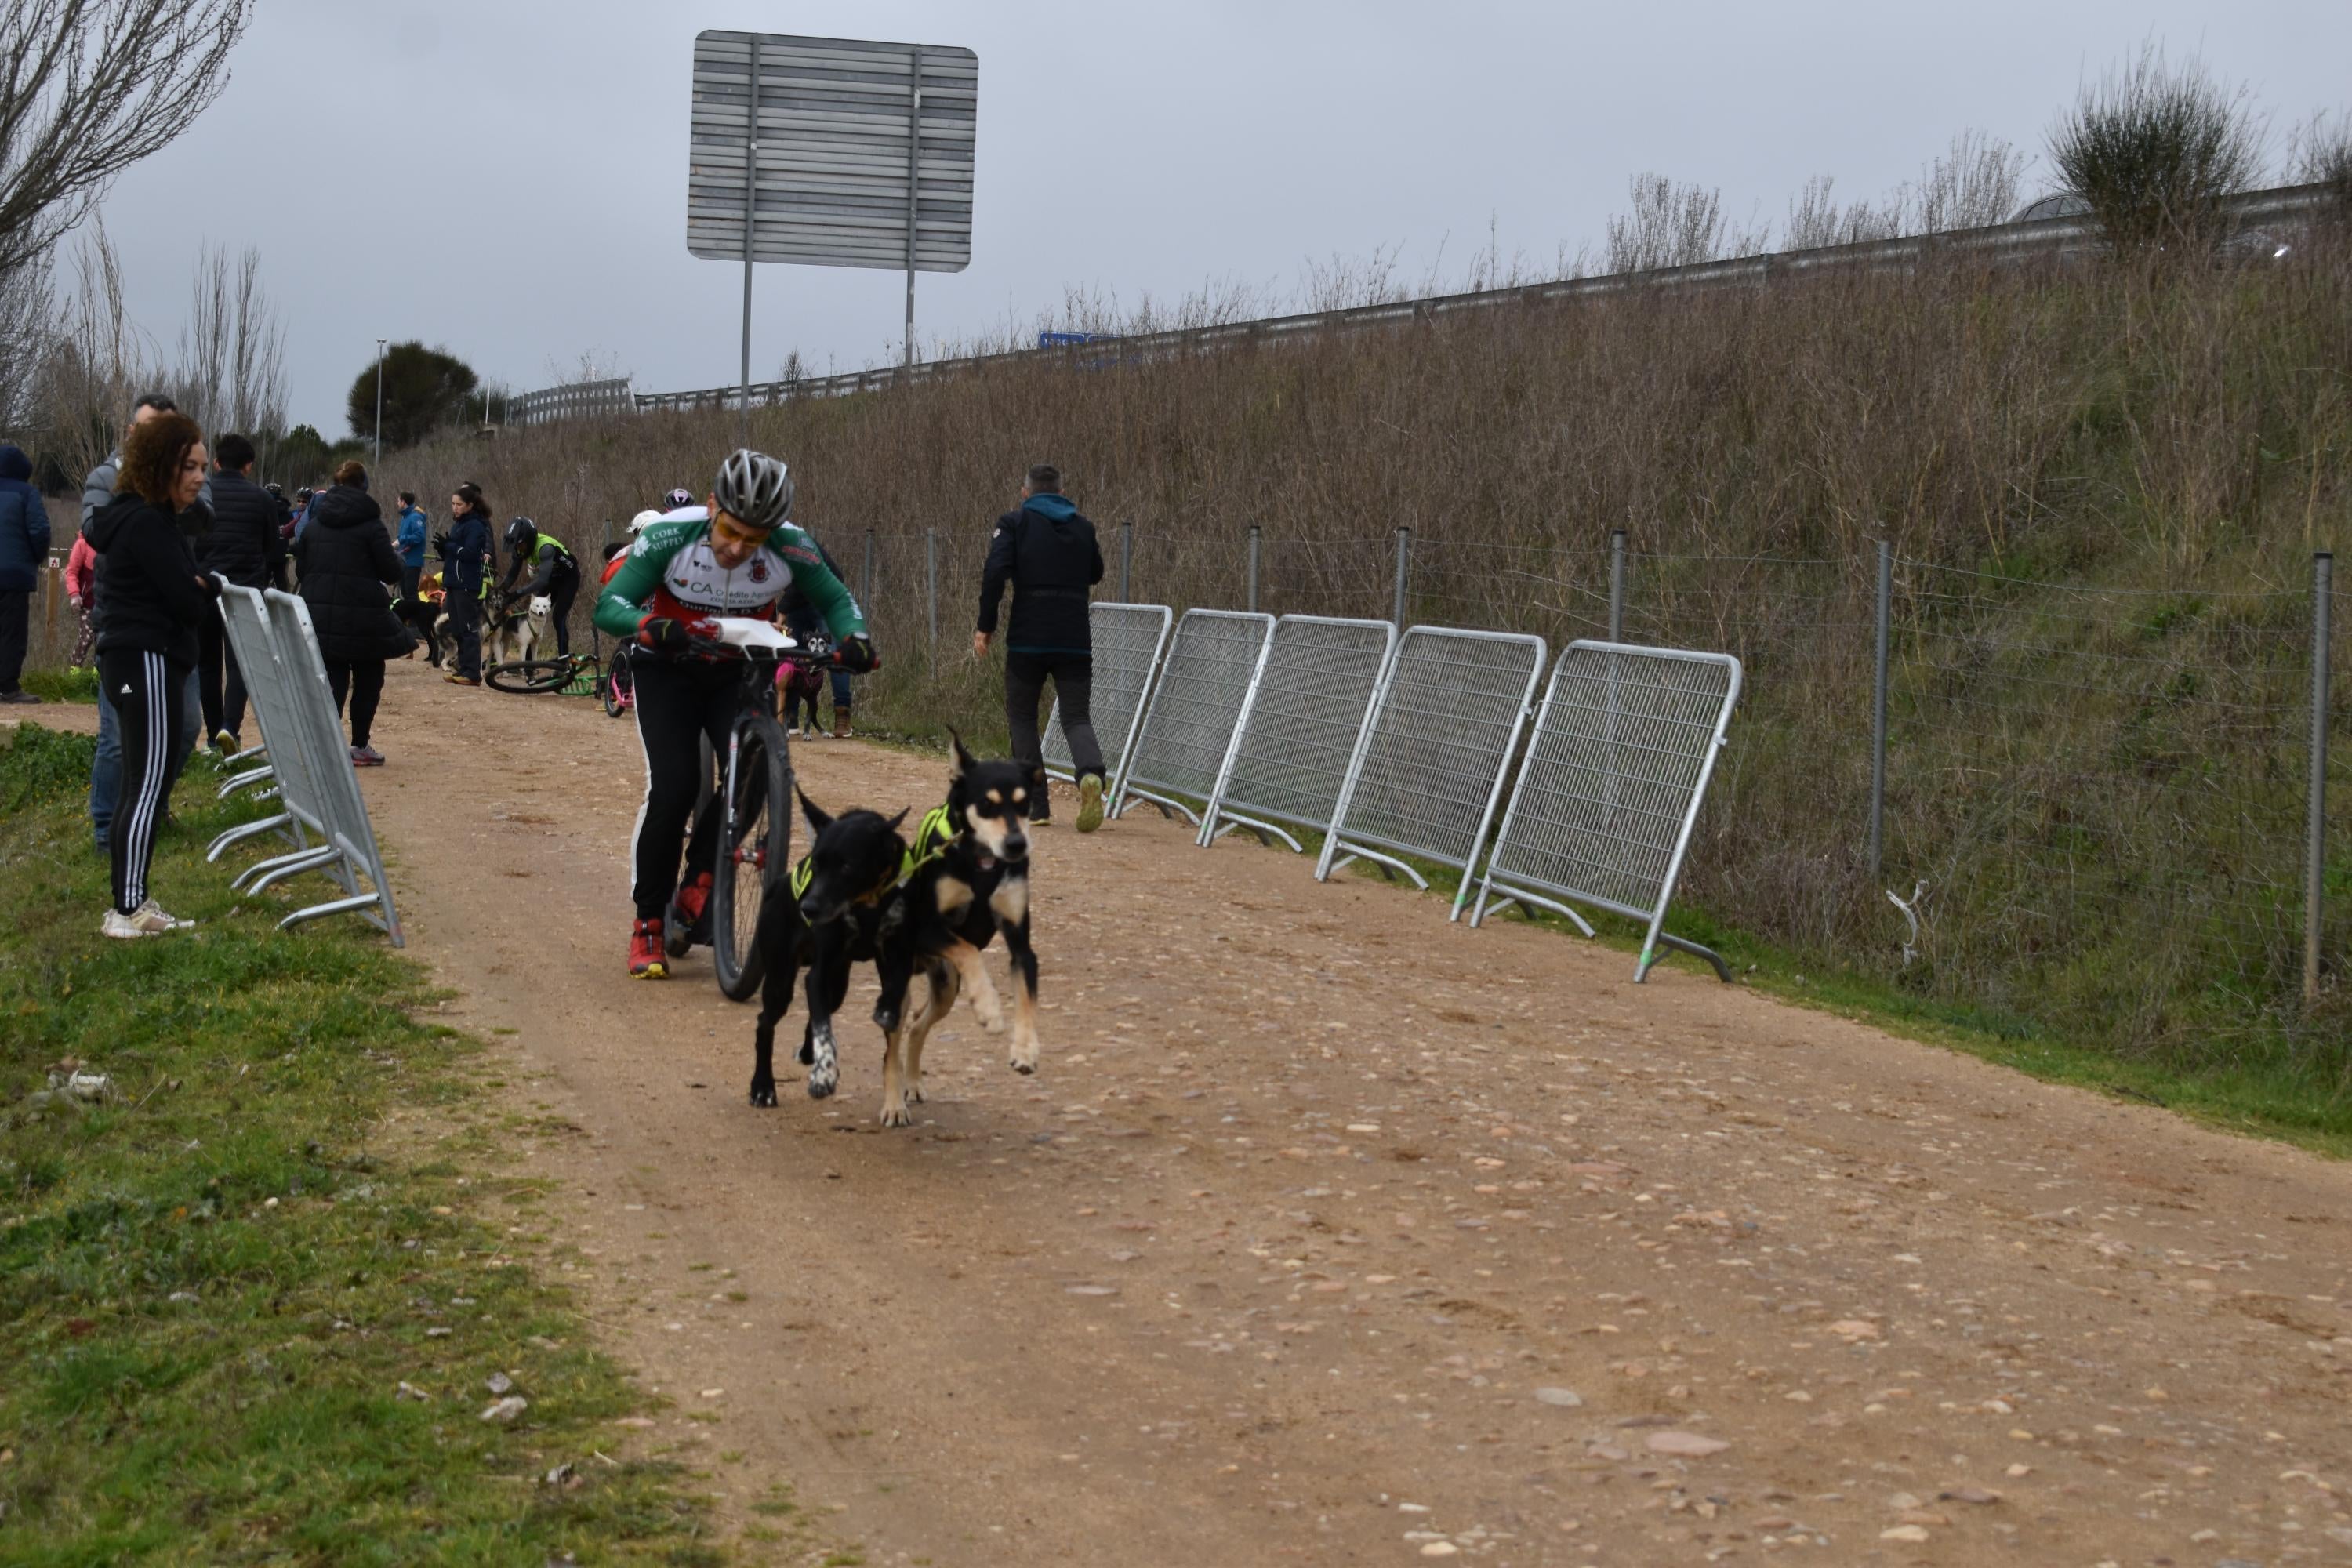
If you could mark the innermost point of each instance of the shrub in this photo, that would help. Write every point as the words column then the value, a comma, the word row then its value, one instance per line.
column 2154, row 148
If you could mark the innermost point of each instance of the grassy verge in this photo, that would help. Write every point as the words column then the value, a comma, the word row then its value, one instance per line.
column 237, row 1321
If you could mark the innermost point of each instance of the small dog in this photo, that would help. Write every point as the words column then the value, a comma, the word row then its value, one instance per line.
column 843, row 905
column 968, row 881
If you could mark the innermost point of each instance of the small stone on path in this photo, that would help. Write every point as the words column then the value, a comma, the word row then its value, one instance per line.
column 1686, row 1445
column 1565, row 1398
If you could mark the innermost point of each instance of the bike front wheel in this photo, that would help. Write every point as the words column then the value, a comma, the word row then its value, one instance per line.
column 753, row 860
column 529, row 676
column 615, row 687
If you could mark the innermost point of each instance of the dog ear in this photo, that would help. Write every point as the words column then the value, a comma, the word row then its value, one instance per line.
column 958, row 759
column 901, row 818
column 817, row 820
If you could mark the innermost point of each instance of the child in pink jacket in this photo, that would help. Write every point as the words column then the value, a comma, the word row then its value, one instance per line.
column 81, row 567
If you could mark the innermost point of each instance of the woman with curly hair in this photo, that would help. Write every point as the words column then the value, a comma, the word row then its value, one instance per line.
column 147, row 643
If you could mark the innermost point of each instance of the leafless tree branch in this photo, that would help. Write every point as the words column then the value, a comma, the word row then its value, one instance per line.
column 89, row 88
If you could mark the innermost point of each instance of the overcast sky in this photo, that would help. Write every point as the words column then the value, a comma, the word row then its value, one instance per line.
column 508, row 179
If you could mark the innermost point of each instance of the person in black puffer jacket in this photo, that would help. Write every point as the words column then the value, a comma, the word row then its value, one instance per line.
column 346, row 559
column 243, row 547
column 147, row 643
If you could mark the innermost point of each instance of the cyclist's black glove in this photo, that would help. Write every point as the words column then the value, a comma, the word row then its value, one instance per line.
column 857, row 656
column 664, row 635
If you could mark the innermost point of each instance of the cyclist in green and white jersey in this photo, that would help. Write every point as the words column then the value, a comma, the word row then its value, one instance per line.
column 733, row 557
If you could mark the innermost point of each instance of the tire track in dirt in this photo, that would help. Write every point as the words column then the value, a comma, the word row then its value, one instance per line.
column 1329, row 1232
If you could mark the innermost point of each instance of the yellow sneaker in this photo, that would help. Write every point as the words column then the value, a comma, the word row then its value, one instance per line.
column 1090, row 802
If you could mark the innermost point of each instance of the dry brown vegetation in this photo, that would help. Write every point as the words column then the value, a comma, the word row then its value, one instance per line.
column 2104, row 485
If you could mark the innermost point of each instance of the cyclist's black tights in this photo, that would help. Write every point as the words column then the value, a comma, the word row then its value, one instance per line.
column 678, row 700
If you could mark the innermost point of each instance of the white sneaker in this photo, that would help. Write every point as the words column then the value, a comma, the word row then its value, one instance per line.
column 147, row 919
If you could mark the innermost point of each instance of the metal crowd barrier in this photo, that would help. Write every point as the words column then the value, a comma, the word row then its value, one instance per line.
column 1186, row 734
column 1615, row 773
column 1128, row 642
column 322, row 813
column 1298, row 731
column 1429, row 766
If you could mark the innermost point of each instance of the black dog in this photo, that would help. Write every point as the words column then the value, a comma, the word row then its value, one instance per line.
column 842, row 904
column 969, row 880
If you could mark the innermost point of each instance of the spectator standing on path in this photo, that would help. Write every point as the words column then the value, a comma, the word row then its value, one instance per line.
column 410, row 548
column 24, row 550
column 243, row 547
column 346, row 559
column 464, row 549
column 154, row 599
column 1047, row 550
column 106, row 766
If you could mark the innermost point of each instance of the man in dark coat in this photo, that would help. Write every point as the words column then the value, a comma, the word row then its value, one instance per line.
column 346, row 559
column 1047, row 550
column 243, row 546
column 24, row 550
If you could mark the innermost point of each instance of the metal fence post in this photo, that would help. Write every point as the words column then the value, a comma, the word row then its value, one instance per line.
column 1616, row 585
column 2315, row 849
column 931, row 587
column 1403, row 570
column 1878, row 712
column 1252, row 603
column 865, row 587
column 1127, row 563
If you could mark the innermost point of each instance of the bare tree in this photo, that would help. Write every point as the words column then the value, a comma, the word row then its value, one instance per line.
column 87, row 88
column 27, row 322
column 1973, row 184
column 1671, row 224
column 95, row 362
column 2154, row 148
column 230, row 371
column 1816, row 218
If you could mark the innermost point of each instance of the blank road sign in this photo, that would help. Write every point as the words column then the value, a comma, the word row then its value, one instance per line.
column 854, row 147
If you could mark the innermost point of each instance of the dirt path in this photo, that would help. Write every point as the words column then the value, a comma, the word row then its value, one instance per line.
column 1332, row 1233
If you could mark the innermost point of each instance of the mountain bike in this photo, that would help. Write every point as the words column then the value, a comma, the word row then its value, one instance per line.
column 753, row 786
column 567, row 674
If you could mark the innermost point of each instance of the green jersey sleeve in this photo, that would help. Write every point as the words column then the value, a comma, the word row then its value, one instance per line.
column 828, row 593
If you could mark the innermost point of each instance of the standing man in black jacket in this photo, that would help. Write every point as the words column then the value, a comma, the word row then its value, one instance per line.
column 244, row 547
column 1047, row 550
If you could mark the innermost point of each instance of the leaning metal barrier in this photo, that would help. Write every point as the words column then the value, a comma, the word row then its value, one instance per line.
column 1291, row 751
column 245, row 621
column 1128, row 642
column 1616, row 770
column 1429, row 767
column 1187, row 729
column 333, row 808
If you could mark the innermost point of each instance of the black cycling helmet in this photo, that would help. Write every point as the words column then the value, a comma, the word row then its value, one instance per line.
column 677, row 500
column 520, row 532
column 755, row 489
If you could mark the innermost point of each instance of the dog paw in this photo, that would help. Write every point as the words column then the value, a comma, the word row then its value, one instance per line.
column 914, row 1091
column 895, row 1113
column 886, row 1019
column 1025, row 1058
column 763, row 1092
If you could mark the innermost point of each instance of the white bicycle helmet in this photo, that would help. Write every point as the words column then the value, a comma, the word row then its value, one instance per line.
column 755, row 489
column 639, row 522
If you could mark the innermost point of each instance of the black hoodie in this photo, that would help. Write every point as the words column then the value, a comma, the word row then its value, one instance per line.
column 154, row 601
column 346, row 558
column 1047, row 551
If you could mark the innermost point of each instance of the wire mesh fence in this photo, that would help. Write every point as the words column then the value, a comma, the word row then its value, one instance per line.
column 1313, row 697
column 1188, row 724
column 1128, row 642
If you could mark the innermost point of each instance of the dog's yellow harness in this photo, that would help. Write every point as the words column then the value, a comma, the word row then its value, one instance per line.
column 932, row 836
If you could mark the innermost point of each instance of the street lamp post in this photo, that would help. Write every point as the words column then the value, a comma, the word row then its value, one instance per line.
column 379, row 403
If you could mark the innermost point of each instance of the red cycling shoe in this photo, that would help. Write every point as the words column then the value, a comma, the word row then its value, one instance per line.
column 689, row 914
column 646, row 959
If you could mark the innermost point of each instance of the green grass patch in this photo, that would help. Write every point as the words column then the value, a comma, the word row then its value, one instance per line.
column 218, row 1274
column 75, row 684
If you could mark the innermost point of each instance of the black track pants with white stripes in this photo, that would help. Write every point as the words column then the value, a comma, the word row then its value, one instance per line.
column 146, row 690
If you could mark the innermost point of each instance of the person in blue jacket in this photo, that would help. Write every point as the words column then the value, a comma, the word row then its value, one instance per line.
column 409, row 545
column 24, row 550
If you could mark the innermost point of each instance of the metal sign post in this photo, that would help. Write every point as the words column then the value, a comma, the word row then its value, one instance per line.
column 830, row 152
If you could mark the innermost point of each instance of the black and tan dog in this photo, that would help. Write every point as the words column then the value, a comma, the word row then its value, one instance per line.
column 843, row 905
column 969, row 880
